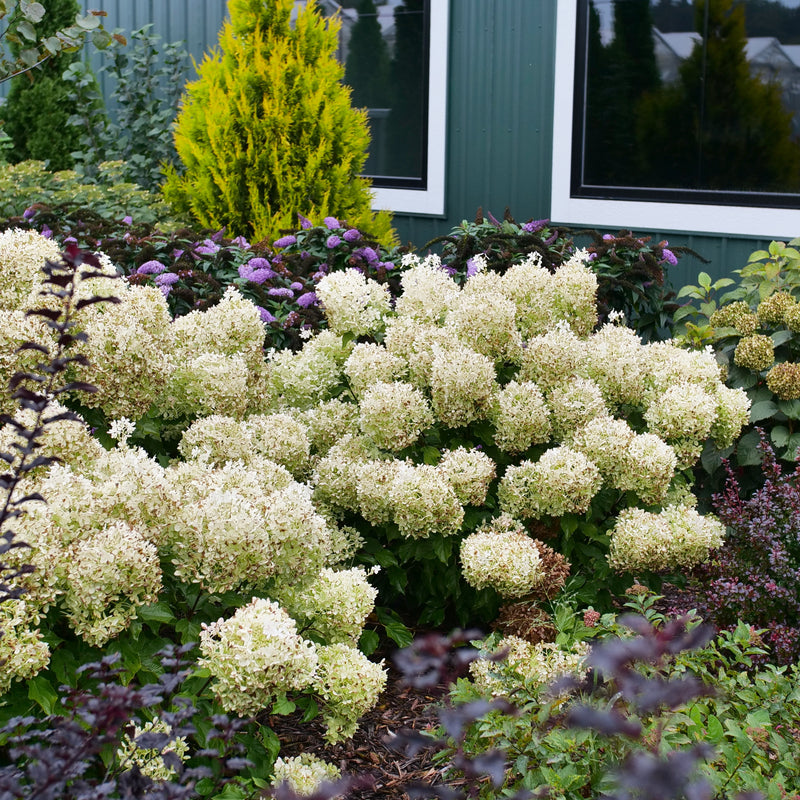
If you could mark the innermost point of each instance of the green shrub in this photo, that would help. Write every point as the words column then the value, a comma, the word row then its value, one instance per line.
column 753, row 327
column 39, row 103
column 267, row 130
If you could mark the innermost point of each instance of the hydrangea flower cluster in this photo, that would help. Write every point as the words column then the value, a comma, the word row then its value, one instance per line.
column 150, row 762
column 304, row 773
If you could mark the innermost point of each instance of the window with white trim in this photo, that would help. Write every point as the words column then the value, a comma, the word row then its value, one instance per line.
column 678, row 115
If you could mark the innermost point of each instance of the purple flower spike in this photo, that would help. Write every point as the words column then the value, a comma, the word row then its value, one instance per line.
column 387, row 265
column 29, row 213
column 297, row 286
column 176, row 253
column 305, row 224
column 167, row 279
column 70, row 240
column 493, row 219
column 352, row 235
column 307, row 299
column 128, row 219
column 535, row 225
column 165, row 290
column 207, row 248
column 46, row 232
column 258, row 276
column 240, row 241
column 285, row 241
column 608, row 237
column 151, row 268
column 669, row 256
column 332, row 241
column 280, row 291
column 266, row 316
column 472, row 268
column 369, row 254
column 331, row 223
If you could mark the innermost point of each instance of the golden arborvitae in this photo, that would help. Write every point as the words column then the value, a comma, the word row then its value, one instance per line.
column 267, row 130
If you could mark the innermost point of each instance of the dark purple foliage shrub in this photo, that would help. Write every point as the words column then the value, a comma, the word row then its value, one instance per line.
column 755, row 575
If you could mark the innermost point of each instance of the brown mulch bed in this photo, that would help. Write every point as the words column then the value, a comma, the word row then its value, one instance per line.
column 369, row 754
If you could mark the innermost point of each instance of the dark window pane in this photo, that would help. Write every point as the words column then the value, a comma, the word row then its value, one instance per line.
column 688, row 99
column 384, row 47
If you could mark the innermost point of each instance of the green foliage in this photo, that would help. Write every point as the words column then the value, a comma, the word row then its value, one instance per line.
column 267, row 130
column 39, row 103
column 762, row 302
column 749, row 717
column 109, row 195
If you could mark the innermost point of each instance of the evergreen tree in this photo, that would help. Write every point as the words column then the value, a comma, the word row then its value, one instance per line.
column 367, row 65
column 267, row 130
column 39, row 102
column 719, row 127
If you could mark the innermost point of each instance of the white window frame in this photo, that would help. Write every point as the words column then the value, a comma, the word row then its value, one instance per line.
column 428, row 201
column 773, row 223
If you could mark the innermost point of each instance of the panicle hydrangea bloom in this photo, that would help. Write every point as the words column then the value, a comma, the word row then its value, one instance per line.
column 469, row 472
column 107, row 575
column 129, row 353
column 552, row 358
column 414, row 342
column 485, row 320
column 572, row 404
column 784, row 380
column 23, row 652
column 733, row 413
column 373, row 481
column 463, row 385
column 540, row 664
column 756, row 352
column 282, row 438
column 335, row 477
column 394, row 415
column 304, row 773
column 424, row 502
column 574, row 294
column 603, row 440
column 232, row 327
column 735, row 315
column 615, row 361
column 150, row 761
column 255, row 655
column 521, row 417
column 428, row 291
column 335, row 603
column 16, row 328
column 562, row 481
column 529, row 285
column 502, row 556
column 22, row 256
column 649, row 467
column 682, row 411
column 216, row 439
column 349, row 685
column 210, row 383
column 328, row 422
column 370, row 363
column 675, row 537
column 302, row 380
column 791, row 318
column 772, row 310
column 667, row 365
column 353, row 303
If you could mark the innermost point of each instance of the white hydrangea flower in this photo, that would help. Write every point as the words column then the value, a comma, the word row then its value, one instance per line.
column 667, row 365
column 683, row 411
column 371, row 363
column 562, row 481
column 675, row 537
column 733, row 413
column 574, row 293
column 353, row 304
column 328, row 422
column 528, row 285
column 16, row 328
column 23, row 651
column 335, row 478
column 150, row 761
column 304, row 773
column 553, row 358
column 539, row 664
column 521, row 417
column 503, row 557
column 428, row 292
column 486, row 322
column 423, row 502
column 22, row 256
column 469, row 472
column 335, row 604
column 373, row 481
column 615, row 360
column 282, row 438
column 415, row 343
column 463, row 385
column 394, row 415
column 256, row 655
column 349, row 685
column 572, row 404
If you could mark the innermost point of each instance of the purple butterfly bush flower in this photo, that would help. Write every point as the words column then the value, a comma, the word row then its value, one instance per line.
column 331, row 223
column 29, row 213
column 207, row 248
column 285, row 241
column 472, row 268
column 46, row 232
column 266, row 316
column 332, row 241
column 608, row 237
column 669, row 256
column 167, row 279
column 297, row 286
column 281, row 291
column 151, row 268
column 369, row 254
column 352, row 235
column 70, row 240
column 255, row 273
column 534, row 225
column 306, row 300
column 128, row 219
column 305, row 224
column 240, row 241
column 387, row 265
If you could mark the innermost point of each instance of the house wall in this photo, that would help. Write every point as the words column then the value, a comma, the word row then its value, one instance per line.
column 500, row 114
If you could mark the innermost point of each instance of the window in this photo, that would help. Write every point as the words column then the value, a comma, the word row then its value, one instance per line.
column 682, row 114
column 395, row 57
